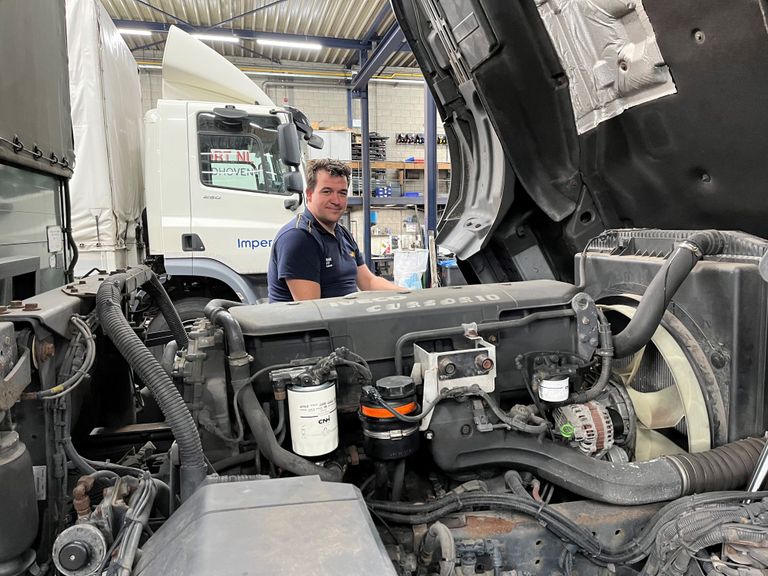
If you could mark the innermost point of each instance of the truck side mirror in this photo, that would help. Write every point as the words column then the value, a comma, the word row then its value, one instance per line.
column 316, row 142
column 288, row 141
column 293, row 182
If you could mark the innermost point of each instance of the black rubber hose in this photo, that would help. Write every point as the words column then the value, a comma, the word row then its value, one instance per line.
column 440, row 536
column 177, row 415
column 515, row 484
column 239, row 362
column 169, row 354
column 398, row 480
column 723, row 468
column 217, row 312
column 629, row 553
column 156, row 290
column 663, row 287
column 606, row 353
column 629, row 484
column 262, row 432
column 68, row 232
column 232, row 461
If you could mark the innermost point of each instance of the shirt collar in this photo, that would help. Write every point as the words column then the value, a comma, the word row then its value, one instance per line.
column 315, row 224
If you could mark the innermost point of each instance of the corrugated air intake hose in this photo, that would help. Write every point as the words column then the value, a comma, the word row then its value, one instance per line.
column 177, row 415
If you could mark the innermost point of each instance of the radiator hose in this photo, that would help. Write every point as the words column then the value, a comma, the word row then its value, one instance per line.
column 279, row 456
column 663, row 287
column 217, row 311
column 175, row 411
column 728, row 467
column 156, row 290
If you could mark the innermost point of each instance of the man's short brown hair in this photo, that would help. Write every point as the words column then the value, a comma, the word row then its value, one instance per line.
column 333, row 167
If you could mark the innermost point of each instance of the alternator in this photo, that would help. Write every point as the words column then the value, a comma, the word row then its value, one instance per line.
column 587, row 425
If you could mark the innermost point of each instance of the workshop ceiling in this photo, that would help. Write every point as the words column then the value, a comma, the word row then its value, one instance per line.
column 346, row 24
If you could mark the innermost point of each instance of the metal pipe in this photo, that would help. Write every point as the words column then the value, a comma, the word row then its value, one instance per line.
column 430, row 165
column 365, row 163
column 761, row 470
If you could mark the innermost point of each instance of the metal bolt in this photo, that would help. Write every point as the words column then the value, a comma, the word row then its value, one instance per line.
column 17, row 304
column 586, row 321
column 483, row 362
column 623, row 66
column 429, row 434
column 492, row 339
column 447, row 367
column 583, row 337
column 593, row 341
column 29, row 306
column 73, row 290
column 706, row 178
column 699, row 36
column 4, row 310
column 718, row 360
column 466, row 430
column 81, row 282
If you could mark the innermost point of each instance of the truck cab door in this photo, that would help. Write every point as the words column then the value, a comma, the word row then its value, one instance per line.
column 238, row 197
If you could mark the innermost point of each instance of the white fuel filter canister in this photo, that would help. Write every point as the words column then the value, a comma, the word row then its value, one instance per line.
column 313, row 420
column 554, row 389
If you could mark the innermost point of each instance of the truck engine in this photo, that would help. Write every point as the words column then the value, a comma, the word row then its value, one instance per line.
column 614, row 426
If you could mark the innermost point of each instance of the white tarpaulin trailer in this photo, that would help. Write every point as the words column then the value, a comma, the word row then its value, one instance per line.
column 107, row 185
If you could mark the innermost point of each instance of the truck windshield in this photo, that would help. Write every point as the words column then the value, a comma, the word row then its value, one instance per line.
column 240, row 155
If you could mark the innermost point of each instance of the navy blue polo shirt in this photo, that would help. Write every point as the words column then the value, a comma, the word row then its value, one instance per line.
column 304, row 250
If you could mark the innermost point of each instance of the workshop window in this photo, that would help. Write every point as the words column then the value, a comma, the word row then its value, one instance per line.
column 240, row 155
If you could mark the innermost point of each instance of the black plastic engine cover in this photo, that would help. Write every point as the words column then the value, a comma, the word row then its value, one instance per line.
column 369, row 323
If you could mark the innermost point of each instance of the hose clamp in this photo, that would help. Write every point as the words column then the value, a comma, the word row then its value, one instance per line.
column 684, row 478
column 688, row 245
column 391, row 434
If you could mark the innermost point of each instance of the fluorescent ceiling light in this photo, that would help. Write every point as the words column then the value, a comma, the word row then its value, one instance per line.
column 217, row 38
column 134, row 32
column 289, row 44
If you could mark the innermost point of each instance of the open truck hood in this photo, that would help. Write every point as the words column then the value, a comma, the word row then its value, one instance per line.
column 567, row 117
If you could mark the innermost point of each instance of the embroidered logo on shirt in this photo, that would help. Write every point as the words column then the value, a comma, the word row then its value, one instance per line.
column 329, row 262
column 352, row 253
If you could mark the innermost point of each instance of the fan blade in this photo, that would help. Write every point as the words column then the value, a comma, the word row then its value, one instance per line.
column 628, row 373
column 650, row 444
column 661, row 409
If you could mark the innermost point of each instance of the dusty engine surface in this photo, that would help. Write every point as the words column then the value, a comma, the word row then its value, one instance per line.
column 521, row 428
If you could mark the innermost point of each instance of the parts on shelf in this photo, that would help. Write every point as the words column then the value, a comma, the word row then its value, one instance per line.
column 377, row 146
column 417, row 138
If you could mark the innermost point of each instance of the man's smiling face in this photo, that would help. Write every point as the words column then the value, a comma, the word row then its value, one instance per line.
column 328, row 201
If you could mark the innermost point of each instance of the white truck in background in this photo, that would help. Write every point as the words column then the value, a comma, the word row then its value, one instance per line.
column 222, row 165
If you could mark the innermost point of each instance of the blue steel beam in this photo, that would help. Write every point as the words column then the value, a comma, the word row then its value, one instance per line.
column 392, row 41
column 163, row 12
column 430, row 167
column 365, row 176
column 385, row 11
column 248, row 13
column 326, row 41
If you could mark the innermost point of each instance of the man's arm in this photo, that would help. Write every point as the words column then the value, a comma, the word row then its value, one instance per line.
column 303, row 289
column 367, row 280
column 298, row 263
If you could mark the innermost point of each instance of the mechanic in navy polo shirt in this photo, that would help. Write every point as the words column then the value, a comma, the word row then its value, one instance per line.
column 313, row 256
